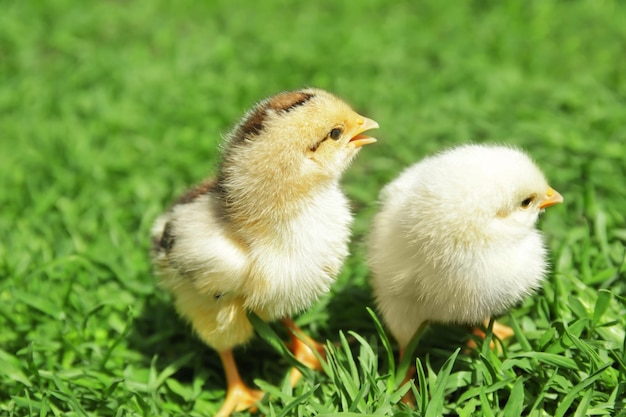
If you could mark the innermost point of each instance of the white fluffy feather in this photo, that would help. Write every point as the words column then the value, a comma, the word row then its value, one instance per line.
column 451, row 242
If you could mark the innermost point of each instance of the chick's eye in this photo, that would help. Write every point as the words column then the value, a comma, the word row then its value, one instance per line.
column 527, row 202
column 335, row 133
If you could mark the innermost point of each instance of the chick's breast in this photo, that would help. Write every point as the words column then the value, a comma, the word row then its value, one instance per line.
column 293, row 268
column 216, row 278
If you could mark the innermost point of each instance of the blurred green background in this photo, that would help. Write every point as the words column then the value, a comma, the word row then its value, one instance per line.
column 110, row 109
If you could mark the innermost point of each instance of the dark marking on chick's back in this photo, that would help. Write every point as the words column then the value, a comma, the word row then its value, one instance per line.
column 167, row 238
column 281, row 103
column 288, row 101
column 197, row 191
column 253, row 125
column 156, row 245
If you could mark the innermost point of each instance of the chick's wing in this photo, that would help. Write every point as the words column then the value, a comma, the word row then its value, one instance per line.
column 195, row 245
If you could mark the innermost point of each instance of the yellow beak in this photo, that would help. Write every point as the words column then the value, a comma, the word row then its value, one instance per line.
column 364, row 124
column 552, row 197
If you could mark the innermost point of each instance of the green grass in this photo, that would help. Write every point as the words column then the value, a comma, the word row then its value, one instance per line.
column 109, row 109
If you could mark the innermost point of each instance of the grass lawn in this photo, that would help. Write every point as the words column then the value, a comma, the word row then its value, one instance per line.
column 110, row 109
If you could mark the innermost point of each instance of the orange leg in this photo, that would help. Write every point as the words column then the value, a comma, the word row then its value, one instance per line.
column 238, row 395
column 499, row 330
column 303, row 350
column 408, row 398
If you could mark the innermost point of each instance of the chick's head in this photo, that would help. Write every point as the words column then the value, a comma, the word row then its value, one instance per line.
column 303, row 136
column 515, row 190
column 488, row 193
column 332, row 134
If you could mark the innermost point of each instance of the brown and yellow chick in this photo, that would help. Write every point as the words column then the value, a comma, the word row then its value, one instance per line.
column 270, row 232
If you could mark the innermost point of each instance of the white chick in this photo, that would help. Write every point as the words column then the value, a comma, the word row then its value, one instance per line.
column 269, row 233
column 455, row 238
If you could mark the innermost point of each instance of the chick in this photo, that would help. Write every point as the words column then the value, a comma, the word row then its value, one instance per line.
column 269, row 233
column 455, row 238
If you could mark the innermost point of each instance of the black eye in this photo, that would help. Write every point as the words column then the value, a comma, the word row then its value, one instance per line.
column 335, row 133
column 527, row 202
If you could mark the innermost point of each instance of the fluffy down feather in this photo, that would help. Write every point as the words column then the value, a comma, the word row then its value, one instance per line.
column 270, row 232
column 455, row 238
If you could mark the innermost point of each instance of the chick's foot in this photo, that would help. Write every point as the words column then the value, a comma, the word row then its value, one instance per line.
column 239, row 396
column 499, row 330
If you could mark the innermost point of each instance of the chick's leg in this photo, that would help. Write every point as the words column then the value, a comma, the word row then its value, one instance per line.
column 408, row 398
column 238, row 395
column 303, row 348
column 406, row 360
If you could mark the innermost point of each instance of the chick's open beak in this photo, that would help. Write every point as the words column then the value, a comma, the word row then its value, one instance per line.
column 363, row 124
column 552, row 197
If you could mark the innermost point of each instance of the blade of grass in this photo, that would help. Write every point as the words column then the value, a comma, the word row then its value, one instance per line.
column 407, row 358
column 387, row 346
column 41, row 304
column 422, row 386
column 266, row 333
column 566, row 402
column 297, row 401
column 602, row 304
column 486, row 406
column 583, row 406
column 520, row 335
column 12, row 368
column 515, row 404
column 435, row 406
column 550, row 359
